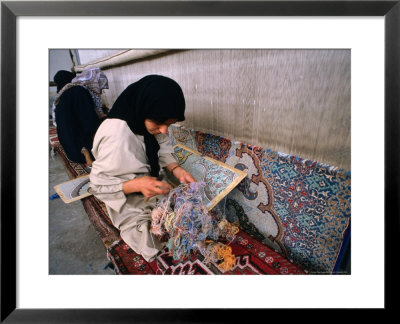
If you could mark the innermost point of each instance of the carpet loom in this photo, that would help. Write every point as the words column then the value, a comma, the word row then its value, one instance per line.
column 252, row 257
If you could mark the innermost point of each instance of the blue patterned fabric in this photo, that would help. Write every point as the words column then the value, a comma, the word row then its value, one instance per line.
column 301, row 208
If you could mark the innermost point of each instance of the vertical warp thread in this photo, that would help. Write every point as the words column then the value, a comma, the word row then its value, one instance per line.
column 302, row 97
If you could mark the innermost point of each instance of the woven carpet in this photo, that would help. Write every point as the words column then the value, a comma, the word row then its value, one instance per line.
column 252, row 257
column 299, row 207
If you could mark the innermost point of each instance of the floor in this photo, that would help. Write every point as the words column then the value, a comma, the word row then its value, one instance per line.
column 74, row 245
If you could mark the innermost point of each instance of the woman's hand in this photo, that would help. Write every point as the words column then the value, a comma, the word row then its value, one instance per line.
column 182, row 175
column 148, row 186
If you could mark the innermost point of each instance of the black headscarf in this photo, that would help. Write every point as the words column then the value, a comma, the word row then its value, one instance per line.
column 61, row 78
column 153, row 97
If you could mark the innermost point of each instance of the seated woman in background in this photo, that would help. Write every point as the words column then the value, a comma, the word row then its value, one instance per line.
column 79, row 112
column 130, row 147
column 61, row 78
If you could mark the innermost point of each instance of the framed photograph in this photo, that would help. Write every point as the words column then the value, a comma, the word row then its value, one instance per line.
column 224, row 24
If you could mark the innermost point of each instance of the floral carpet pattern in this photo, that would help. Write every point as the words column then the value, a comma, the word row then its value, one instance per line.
column 252, row 257
column 298, row 207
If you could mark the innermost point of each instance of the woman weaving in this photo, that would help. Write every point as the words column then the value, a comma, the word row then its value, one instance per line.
column 130, row 148
column 78, row 111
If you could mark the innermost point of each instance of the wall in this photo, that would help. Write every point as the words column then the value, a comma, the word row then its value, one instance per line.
column 59, row 59
column 291, row 101
column 85, row 56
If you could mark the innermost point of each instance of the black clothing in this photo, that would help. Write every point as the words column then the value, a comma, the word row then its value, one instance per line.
column 153, row 97
column 61, row 78
column 77, row 122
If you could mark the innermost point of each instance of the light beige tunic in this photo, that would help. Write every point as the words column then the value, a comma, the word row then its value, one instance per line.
column 120, row 156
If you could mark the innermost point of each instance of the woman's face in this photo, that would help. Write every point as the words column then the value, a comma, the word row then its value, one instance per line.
column 155, row 128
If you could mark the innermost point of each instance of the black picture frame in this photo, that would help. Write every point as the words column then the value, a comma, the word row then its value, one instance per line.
column 10, row 10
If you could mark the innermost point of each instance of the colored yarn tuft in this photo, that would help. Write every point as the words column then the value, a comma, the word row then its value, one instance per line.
column 185, row 221
column 219, row 254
